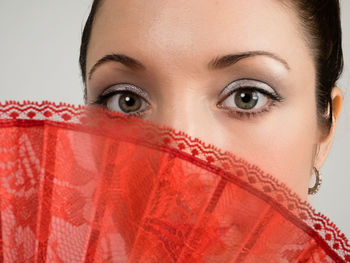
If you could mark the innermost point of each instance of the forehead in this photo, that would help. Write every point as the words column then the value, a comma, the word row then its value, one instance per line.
column 194, row 28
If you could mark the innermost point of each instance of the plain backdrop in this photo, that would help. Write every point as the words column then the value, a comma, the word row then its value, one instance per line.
column 39, row 49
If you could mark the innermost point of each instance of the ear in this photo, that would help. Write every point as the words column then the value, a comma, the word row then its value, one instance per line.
column 325, row 141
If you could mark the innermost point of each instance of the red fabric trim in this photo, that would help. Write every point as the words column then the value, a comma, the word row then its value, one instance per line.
column 28, row 114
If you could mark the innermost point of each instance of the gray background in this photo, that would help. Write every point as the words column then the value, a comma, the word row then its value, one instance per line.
column 39, row 48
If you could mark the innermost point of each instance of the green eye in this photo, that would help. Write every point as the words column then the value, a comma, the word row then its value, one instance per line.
column 129, row 102
column 246, row 99
column 125, row 98
column 249, row 97
column 126, row 102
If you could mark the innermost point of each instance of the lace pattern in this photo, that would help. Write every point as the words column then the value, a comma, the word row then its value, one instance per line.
column 228, row 167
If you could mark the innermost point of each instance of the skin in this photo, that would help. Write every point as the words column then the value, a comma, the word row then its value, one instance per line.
column 175, row 41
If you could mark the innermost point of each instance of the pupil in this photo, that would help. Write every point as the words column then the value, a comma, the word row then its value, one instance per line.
column 246, row 100
column 129, row 102
column 246, row 97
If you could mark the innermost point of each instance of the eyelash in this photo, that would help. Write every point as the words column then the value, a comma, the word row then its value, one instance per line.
column 252, row 114
column 276, row 98
column 101, row 100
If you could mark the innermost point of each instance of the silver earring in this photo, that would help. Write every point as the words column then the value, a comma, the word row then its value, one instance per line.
column 318, row 183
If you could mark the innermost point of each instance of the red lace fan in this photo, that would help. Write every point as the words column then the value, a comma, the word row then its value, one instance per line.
column 84, row 185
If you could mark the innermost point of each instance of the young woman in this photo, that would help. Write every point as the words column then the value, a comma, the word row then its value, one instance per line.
column 254, row 77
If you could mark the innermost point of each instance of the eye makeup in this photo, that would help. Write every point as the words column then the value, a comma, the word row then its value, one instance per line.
column 125, row 87
column 252, row 84
column 249, row 86
column 110, row 98
column 245, row 86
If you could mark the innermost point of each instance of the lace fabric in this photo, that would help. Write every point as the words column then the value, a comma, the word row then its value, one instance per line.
column 85, row 185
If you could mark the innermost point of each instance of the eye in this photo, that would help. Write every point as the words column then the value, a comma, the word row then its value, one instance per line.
column 125, row 98
column 245, row 99
column 125, row 102
column 248, row 96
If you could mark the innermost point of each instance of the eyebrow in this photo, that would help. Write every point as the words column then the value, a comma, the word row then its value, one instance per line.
column 217, row 63
column 123, row 59
column 228, row 60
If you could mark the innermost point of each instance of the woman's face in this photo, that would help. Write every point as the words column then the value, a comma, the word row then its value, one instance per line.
column 237, row 74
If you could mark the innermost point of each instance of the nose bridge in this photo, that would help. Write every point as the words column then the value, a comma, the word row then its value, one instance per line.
column 185, row 109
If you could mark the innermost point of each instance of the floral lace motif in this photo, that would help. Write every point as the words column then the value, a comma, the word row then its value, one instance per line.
column 226, row 165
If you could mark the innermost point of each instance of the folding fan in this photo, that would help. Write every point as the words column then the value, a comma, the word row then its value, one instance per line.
column 80, row 184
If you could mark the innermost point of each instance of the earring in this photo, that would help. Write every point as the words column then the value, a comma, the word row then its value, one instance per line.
column 318, row 183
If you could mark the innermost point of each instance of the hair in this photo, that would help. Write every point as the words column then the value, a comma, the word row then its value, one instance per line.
column 321, row 22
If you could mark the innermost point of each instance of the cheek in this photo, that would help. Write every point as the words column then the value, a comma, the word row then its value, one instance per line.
column 281, row 143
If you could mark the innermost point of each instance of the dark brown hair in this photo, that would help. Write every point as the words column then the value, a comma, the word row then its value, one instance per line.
column 321, row 21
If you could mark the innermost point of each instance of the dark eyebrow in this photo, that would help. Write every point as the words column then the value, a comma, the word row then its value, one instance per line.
column 228, row 60
column 123, row 59
column 217, row 63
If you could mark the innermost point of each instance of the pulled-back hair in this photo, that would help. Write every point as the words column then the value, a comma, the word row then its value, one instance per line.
column 320, row 20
